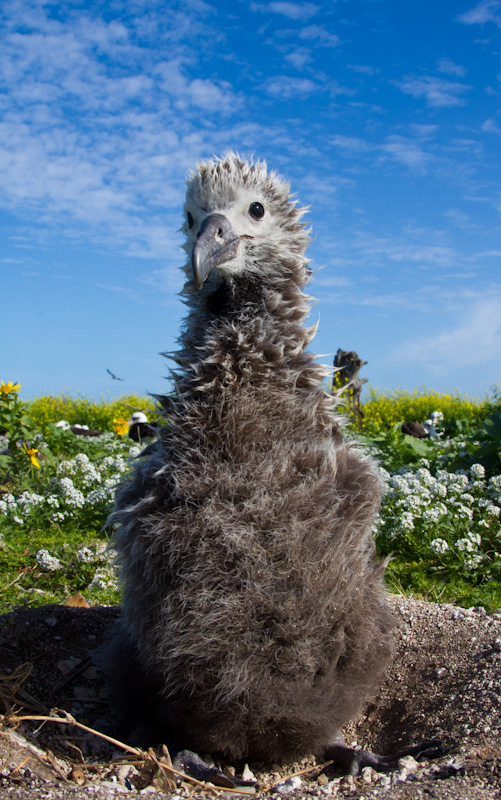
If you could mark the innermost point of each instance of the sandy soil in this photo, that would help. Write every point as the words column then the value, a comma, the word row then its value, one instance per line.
column 445, row 682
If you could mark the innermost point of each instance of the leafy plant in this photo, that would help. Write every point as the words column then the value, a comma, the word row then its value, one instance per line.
column 395, row 449
column 20, row 460
column 484, row 447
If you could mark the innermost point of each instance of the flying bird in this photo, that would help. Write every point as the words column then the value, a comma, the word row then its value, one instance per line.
column 254, row 622
column 114, row 377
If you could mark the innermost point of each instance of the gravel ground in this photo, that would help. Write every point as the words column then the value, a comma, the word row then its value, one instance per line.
column 444, row 682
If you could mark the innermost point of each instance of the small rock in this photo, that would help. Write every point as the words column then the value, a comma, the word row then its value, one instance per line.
column 408, row 764
column 496, row 645
column 289, row 785
column 322, row 779
column 366, row 775
column 247, row 774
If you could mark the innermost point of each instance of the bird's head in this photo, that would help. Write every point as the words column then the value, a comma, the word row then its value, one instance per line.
column 240, row 219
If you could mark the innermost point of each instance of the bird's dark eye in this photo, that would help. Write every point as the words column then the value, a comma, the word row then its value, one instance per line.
column 190, row 219
column 256, row 210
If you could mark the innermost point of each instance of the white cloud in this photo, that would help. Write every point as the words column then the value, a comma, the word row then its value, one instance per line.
column 285, row 87
column 352, row 143
column 489, row 126
column 447, row 66
column 300, row 11
column 424, row 131
column 364, row 69
column 319, row 34
column 397, row 148
column 406, row 152
column 473, row 340
column 299, row 57
column 486, row 11
column 437, row 92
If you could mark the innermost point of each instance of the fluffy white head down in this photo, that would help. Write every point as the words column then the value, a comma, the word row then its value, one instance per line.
column 230, row 186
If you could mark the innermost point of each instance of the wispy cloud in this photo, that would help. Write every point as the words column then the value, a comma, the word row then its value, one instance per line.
column 472, row 341
column 448, row 67
column 299, row 11
column 364, row 69
column 287, row 87
column 489, row 126
column 299, row 57
column 320, row 35
column 486, row 11
column 406, row 152
column 437, row 92
column 400, row 149
column 351, row 143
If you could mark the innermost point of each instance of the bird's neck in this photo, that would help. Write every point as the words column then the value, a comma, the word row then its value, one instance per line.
column 246, row 329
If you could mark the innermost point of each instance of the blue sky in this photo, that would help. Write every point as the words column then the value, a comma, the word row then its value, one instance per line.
column 384, row 116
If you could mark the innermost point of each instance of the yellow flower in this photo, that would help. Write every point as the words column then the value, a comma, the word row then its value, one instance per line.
column 30, row 451
column 120, row 426
column 8, row 388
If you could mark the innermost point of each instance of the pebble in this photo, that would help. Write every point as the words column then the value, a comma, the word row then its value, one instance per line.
column 289, row 785
column 368, row 775
column 496, row 645
column 247, row 774
column 408, row 764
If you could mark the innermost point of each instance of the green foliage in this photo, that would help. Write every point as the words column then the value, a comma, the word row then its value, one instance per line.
column 80, row 410
column 484, row 447
column 52, row 542
column 395, row 449
column 440, row 526
column 384, row 410
column 447, row 525
column 20, row 461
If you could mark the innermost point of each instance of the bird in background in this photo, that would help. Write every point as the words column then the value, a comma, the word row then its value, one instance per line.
column 114, row 377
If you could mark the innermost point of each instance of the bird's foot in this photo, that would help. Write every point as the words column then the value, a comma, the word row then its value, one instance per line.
column 195, row 767
column 353, row 760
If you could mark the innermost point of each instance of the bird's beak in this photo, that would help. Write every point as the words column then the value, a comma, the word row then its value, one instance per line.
column 216, row 244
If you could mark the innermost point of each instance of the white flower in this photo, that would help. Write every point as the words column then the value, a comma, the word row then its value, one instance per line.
column 465, row 545
column 71, row 496
column 406, row 521
column 27, row 501
column 438, row 490
column 84, row 555
column 18, row 520
column 47, row 562
column 472, row 562
column 439, row 545
column 477, row 471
